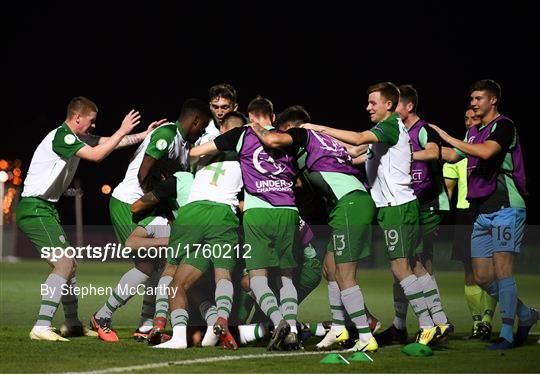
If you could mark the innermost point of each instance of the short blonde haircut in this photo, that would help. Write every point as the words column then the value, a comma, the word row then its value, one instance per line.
column 81, row 105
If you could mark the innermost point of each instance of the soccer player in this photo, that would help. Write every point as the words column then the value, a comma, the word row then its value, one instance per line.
column 222, row 101
column 495, row 190
column 429, row 188
column 153, row 234
column 270, row 219
column 51, row 171
column 169, row 140
column 306, row 278
column 481, row 304
column 174, row 193
column 329, row 169
column 208, row 219
column 388, row 170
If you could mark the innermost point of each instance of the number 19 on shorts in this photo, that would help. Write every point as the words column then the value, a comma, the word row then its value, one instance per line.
column 391, row 238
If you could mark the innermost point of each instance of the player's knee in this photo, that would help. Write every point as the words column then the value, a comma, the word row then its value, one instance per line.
column 169, row 270
column 400, row 268
column 65, row 267
column 328, row 273
column 183, row 283
column 503, row 266
column 503, row 272
column 482, row 278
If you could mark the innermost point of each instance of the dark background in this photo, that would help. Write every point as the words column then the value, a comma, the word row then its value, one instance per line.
column 152, row 55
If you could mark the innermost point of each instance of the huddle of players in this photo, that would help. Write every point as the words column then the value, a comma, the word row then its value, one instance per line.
column 266, row 158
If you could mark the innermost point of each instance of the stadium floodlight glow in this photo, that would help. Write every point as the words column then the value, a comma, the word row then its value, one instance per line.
column 106, row 189
column 3, row 176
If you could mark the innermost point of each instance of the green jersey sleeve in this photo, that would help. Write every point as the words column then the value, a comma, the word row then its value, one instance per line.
column 65, row 143
column 387, row 131
column 160, row 140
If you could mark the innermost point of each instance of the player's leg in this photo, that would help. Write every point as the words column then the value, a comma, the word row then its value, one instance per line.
column 507, row 234
column 209, row 313
column 475, row 296
column 400, row 225
column 262, row 255
column 429, row 223
column 186, row 231
column 397, row 332
column 73, row 326
column 351, row 238
column 224, row 301
column 51, row 293
column 185, row 276
column 244, row 300
column 338, row 332
column 38, row 220
column 307, row 277
column 286, row 228
column 155, row 336
column 125, row 289
column 121, row 219
column 148, row 309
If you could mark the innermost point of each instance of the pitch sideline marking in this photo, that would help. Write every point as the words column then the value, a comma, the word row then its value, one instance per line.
column 205, row 360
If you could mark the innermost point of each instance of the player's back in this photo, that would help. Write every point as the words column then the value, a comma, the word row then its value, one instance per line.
column 220, row 181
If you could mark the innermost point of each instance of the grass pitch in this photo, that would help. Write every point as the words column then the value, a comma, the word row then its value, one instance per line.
column 20, row 297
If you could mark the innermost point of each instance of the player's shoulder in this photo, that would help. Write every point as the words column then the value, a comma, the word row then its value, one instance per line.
column 504, row 122
column 64, row 136
column 165, row 130
column 391, row 123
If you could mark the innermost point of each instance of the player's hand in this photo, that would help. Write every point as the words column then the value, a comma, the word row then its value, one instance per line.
column 155, row 124
column 317, row 128
column 132, row 119
column 444, row 135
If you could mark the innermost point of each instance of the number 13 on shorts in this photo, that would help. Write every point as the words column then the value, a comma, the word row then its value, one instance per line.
column 339, row 243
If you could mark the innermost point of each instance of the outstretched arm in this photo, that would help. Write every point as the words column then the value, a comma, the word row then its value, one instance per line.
column 271, row 139
column 484, row 151
column 134, row 139
column 355, row 151
column 208, row 148
column 139, row 239
column 430, row 152
column 102, row 150
column 347, row 136
column 450, row 155
column 360, row 159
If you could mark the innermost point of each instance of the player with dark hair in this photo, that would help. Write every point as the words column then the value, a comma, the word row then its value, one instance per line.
column 480, row 303
column 496, row 190
column 169, row 140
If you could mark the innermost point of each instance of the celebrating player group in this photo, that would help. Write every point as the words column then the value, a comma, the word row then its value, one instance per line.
column 220, row 190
